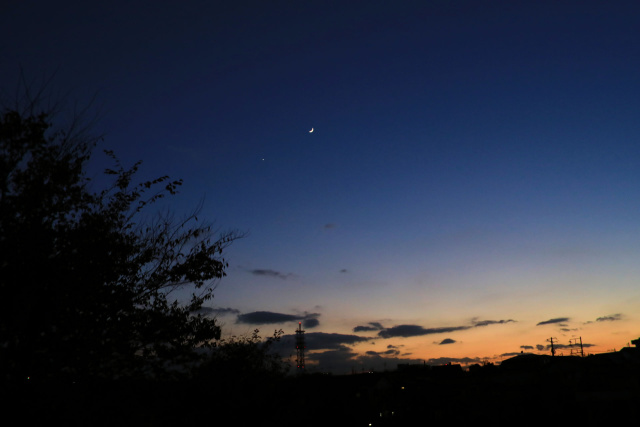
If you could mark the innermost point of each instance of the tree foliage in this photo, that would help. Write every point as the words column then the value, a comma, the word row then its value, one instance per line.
column 87, row 281
column 244, row 358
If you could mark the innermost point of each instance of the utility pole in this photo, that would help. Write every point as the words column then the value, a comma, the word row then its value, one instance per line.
column 553, row 350
column 575, row 342
column 300, row 346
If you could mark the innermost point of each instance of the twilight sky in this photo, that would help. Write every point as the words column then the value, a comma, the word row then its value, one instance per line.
column 470, row 190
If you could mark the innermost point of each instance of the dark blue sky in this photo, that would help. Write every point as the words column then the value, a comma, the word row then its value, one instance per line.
column 470, row 161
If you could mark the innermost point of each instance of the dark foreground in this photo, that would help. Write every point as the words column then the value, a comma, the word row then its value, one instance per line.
column 533, row 390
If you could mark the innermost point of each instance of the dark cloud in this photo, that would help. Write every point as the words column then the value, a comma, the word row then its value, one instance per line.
column 416, row 330
column 322, row 340
column 344, row 360
column 344, row 270
column 556, row 320
column 383, row 353
column 539, row 347
column 364, row 329
column 327, row 352
column 491, row 322
column 526, row 347
column 373, row 326
column 611, row 318
column 271, row 273
column 266, row 317
column 340, row 360
column 309, row 320
column 318, row 341
column 330, row 226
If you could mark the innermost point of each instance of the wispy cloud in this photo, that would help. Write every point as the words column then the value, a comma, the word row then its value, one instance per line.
column 390, row 352
column 271, row 273
column 417, row 330
column 228, row 310
column 406, row 331
column 215, row 311
column 552, row 321
column 478, row 323
column 372, row 326
column 611, row 318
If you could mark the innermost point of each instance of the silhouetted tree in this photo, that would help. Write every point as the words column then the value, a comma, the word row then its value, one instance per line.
column 244, row 357
column 85, row 276
column 243, row 369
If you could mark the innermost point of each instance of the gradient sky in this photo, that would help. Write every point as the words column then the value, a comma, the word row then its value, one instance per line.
column 471, row 188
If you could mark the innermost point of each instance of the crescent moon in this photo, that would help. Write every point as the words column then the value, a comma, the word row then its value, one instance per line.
column 311, row 130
